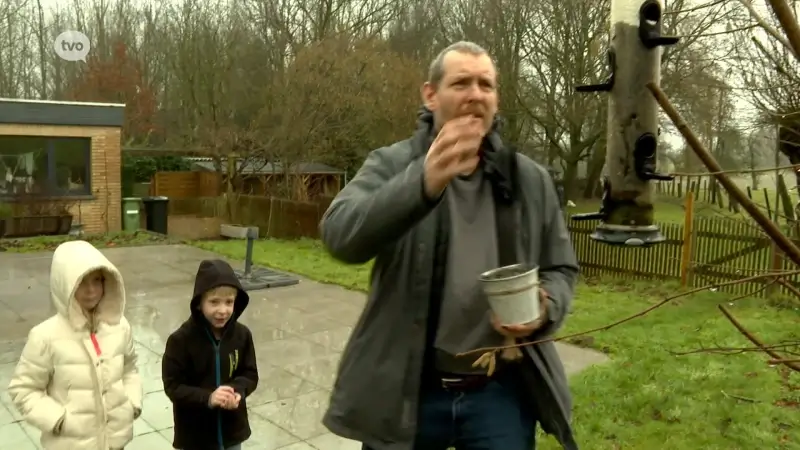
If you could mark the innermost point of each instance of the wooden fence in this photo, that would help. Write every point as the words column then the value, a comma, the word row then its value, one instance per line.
column 657, row 262
column 778, row 201
column 193, row 184
column 275, row 217
column 711, row 252
column 702, row 251
column 181, row 185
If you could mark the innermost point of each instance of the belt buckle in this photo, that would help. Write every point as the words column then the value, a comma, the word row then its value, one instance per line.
column 447, row 383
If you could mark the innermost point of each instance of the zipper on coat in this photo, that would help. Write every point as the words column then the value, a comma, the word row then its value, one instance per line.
column 96, row 344
column 93, row 335
column 218, row 378
column 96, row 382
column 218, row 369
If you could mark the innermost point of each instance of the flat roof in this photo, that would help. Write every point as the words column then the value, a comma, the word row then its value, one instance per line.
column 58, row 102
column 47, row 112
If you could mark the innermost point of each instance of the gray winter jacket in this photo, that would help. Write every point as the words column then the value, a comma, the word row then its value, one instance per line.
column 382, row 214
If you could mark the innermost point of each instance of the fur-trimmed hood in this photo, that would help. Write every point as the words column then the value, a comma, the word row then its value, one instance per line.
column 72, row 261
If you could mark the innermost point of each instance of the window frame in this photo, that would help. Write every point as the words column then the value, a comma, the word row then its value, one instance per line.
column 50, row 149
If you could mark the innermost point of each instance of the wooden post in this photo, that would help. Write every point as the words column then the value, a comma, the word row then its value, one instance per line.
column 776, row 265
column 766, row 203
column 777, row 206
column 733, row 205
column 720, row 195
column 712, row 191
column 688, row 239
column 153, row 190
column 785, row 198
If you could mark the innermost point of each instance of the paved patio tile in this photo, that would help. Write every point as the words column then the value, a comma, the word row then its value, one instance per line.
column 299, row 333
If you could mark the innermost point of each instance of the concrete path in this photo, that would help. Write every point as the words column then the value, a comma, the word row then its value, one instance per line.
column 299, row 333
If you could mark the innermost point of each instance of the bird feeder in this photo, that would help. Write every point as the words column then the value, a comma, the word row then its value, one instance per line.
column 634, row 59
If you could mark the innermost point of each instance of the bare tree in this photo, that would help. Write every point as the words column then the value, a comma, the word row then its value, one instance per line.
column 567, row 48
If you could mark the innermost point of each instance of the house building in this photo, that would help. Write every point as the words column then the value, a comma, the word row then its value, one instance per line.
column 65, row 154
column 306, row 180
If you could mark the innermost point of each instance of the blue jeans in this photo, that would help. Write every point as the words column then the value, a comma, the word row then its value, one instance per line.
column 490, row 418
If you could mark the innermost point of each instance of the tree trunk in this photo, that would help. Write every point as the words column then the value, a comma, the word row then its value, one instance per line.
column 570, row 178
column 753, row 175
column 595, row 170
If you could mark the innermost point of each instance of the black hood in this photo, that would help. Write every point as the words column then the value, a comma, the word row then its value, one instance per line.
column 211, row 274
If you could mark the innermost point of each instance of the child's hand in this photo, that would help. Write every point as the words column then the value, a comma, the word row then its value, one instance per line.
column 221, row 397
column 234, row 402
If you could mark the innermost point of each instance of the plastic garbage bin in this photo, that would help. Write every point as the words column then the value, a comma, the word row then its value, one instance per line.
column 130, row 213
column 156, row 210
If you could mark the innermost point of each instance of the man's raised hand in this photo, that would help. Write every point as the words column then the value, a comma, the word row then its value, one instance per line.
column 454, row 151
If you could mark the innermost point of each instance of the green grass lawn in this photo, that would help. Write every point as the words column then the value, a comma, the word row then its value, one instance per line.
column 646, row 398
column 670, row 210
column 667, row 210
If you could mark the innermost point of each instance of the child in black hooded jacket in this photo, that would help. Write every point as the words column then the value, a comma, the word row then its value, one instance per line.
column 209, row 365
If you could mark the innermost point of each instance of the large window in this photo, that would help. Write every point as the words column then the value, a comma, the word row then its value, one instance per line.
column 49, row 166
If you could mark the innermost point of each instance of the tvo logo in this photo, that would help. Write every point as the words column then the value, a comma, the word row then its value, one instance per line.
column 72, row 45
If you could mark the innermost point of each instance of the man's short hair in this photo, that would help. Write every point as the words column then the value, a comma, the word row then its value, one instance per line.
column 436, row 70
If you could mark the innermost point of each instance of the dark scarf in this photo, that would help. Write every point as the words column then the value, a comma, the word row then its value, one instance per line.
column 500, row 168
column 499, row 161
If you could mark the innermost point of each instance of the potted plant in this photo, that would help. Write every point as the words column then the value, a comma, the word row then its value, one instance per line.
column 234, row 230
column 36, row 215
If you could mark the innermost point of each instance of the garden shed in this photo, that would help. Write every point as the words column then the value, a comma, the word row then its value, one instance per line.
column 59, row 167
column 302, row 181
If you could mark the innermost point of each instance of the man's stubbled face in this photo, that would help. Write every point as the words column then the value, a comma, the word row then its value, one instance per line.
column 469, row 87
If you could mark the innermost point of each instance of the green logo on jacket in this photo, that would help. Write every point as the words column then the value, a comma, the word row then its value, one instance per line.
column 233, row 359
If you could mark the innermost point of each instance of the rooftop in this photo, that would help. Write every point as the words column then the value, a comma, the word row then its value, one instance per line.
column 59, row 102
column 257, row 166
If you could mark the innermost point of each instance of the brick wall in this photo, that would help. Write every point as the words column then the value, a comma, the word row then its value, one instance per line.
column 101, row 212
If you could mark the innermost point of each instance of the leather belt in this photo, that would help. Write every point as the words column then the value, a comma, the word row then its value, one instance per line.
column 453, row 382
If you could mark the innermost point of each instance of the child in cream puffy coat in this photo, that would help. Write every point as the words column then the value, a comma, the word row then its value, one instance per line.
column 76, row 380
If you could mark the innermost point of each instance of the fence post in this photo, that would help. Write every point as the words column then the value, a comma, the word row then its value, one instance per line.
column 688, row 239
column 766, row 203
column 775, row 265
column 720, row 194
column 269, row 217
column 706, row 191
column 154, row 182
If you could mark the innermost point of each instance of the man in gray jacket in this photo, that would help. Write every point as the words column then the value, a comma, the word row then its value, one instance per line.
column 434, row 212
